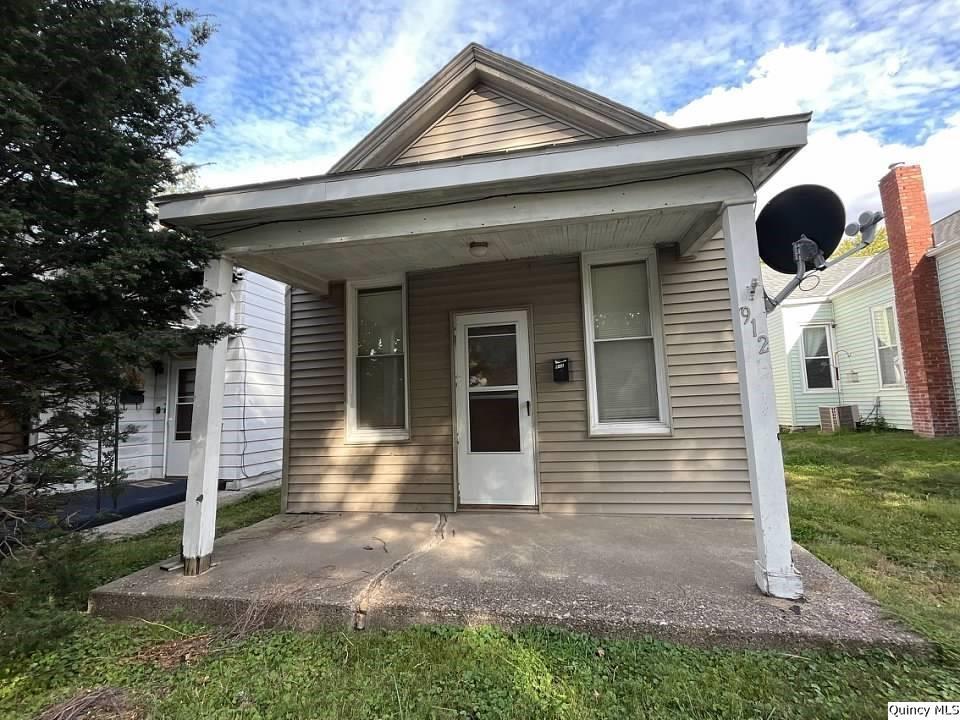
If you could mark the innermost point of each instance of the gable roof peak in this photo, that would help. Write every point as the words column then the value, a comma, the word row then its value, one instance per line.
column 477, row 65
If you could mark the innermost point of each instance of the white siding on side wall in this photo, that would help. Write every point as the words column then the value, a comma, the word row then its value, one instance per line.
column 781, row 375
column 804, row 404
column 948, row 268
column 854, row 335
column 142, row 454
column 252, row 440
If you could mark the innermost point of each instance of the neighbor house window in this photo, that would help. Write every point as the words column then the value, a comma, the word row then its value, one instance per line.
column 376, row 361
column 626, row 375
column 817, row 367
column 887, row 340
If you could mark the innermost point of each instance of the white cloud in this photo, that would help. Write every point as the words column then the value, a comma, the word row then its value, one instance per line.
column 846, row 89
column 876, row 73
column 852, row 164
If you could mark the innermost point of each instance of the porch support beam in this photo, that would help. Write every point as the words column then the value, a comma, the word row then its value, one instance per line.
column 706, row 191
column 203, row 470
column 775, row 573
column 703, row 229
column 282, row 272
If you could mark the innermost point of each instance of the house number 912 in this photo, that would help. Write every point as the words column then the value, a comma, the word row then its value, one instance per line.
column 748, row 319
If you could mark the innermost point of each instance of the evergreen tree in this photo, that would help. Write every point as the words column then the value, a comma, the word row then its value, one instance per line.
column 92, row 288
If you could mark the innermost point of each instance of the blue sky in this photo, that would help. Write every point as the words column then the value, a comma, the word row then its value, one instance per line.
column 293, row 84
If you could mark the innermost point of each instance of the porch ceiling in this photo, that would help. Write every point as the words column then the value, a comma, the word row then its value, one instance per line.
column 424, row 252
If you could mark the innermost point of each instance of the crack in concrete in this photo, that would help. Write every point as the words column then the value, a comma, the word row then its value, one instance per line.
column 363, row 599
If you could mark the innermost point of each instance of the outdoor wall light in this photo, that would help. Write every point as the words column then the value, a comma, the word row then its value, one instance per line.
column 478, row 249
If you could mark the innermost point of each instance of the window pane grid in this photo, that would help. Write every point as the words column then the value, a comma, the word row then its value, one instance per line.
column 888, row 347
column 818, row 368
column 379, row 362
column 620, row 339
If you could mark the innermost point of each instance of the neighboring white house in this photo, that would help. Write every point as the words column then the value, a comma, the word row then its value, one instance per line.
column 838, row 342
column 252, row 439
column 946, row 251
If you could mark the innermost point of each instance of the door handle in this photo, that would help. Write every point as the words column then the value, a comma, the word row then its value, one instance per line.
column 528, row 408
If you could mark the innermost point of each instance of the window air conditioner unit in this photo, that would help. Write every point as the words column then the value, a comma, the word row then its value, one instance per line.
column 838, row 417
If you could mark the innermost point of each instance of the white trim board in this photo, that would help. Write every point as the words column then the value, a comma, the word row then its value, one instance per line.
column 671, row 148
column 938, row 250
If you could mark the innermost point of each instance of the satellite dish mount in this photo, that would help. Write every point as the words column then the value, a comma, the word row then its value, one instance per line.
column 799, row 230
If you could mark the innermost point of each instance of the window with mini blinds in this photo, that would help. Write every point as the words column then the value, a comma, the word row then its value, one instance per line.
column 624, row 344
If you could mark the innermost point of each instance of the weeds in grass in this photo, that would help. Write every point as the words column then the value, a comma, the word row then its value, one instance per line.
column 104, row 703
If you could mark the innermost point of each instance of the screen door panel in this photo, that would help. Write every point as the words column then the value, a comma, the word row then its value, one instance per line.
column 494, row 410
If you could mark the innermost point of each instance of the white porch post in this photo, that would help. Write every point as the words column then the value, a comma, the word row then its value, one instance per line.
column 774, row 570
column 203, row 471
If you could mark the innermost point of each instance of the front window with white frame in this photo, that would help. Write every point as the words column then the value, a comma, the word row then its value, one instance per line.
column 817, row 358
column 626, row 372
column 377, row 405
column 887, row 343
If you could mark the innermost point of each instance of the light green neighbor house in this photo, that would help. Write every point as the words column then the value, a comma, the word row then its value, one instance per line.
column 838, row 342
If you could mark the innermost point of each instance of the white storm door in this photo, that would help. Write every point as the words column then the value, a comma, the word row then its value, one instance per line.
column 183, row 376
column 494, row 410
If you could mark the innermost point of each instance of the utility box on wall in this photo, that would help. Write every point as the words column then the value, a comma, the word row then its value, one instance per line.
column 561, row 370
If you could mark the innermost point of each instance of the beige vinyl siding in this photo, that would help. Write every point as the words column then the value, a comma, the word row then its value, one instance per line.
column 948, row 268
column 700, row 470
column 484, row 121
column 325, row 474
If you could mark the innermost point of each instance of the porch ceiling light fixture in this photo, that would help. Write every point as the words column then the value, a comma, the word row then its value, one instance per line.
column 479, row 249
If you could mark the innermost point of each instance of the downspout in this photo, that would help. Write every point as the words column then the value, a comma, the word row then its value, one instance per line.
column 167, row 370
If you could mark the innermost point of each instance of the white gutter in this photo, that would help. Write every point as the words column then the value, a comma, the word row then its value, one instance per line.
column 938, row 250
column 671, row 147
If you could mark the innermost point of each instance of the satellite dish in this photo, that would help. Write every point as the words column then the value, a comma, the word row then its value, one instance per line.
column 810, row 211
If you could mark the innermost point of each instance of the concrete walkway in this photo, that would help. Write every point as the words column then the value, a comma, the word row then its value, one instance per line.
column 144, row 522
column 685, row 580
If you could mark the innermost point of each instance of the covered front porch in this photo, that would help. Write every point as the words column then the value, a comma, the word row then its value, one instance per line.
column 683, row 202
column 680, row 579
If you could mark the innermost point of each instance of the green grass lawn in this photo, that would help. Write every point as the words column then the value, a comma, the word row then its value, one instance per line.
column 884, row 509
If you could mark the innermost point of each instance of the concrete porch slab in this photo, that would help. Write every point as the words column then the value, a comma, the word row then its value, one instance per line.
column 678, row 579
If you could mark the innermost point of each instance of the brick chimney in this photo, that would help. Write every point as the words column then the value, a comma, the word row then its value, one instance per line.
column 923, row 341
